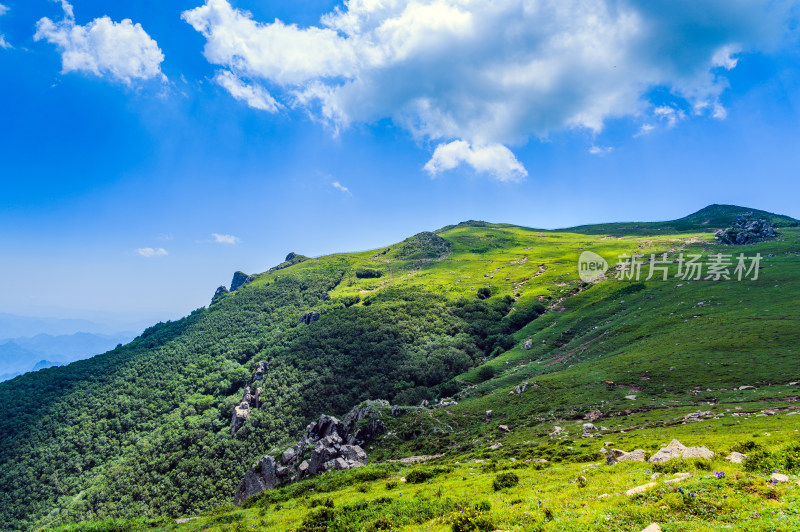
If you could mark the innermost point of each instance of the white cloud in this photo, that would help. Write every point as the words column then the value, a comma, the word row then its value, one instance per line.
column 225, row 239
column 120, row 50
column 254, row 95
column 339, row 186
column 3, row 42
column 601, row 150
column 494, row 159
column 489, row 73
column 151, row 252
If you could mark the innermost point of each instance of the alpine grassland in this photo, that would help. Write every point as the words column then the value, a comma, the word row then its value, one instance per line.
column 492, row 318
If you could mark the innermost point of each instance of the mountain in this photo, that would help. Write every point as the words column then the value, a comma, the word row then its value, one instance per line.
column 492, row 315
column 18, row 355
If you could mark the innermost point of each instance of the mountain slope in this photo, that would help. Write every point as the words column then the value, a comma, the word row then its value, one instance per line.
column 146, row 428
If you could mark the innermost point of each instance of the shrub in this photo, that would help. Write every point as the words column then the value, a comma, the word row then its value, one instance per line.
column 745, row 447
column 368, row 273
column 505, row 480
column 349, row 301
column 469, row 519
column 484, row 293
column 419, row 476
column 760, row 461
column 486, row 373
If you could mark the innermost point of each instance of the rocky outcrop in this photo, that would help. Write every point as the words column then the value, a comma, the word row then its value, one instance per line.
column 309, row 317
column 328, row 445
column 291, row 259
column 746, row 230
column 588, row 430
column 240, row 279
column 221, row 291
column 676, row 449
column 242, row 411
column 617, row 455
column 250, row 399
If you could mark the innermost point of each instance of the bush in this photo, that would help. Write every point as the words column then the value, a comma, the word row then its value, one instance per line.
column 469, row 519
column 419, row 476
column 505, row 480
column 486, row 373
column 368, row 273
column 484, row 293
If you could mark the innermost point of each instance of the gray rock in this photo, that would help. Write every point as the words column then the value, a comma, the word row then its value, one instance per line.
column 588, row 429
column 261, row 476
column 221, row 291
column 240, row 415
column 676, row 449
column 736, row 458
column 528, row 344
column 747, row 388
column 239, row 280
column 746, row 230
column 557, row 431
column 617, row 455
column 309, row 317
column 288, row 456
column 503, row 428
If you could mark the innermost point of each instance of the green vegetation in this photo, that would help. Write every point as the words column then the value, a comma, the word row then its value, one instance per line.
column 130, row 438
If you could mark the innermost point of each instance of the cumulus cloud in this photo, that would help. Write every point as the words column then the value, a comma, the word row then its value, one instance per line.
column 122, row 51
column 150, row 253
column 339, row 186
column 475, row 76
column 225, row 239
column 494, row 159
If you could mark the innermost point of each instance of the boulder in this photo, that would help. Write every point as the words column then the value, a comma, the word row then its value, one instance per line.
column 556, row 431
column 528, row 344
column 676, row 449
column 779, row 477
column 288, row 456
column 617, row 455
column 588, row 430
column 652, row 527
column 240, row 415
column 503, row 428
column 747, row 388
column 736, row 458
column 261, row 476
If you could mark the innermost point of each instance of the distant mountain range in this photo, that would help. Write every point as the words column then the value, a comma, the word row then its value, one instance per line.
column 20, row 355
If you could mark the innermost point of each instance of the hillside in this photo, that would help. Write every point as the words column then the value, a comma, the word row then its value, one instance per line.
column 145, row 429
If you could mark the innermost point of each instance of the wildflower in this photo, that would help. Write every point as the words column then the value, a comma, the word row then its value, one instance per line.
column 720, row 474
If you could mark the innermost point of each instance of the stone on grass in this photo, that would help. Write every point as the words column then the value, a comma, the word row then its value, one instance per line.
column 736, row 458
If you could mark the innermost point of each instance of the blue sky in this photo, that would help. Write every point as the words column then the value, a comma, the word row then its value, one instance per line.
column 150, row 149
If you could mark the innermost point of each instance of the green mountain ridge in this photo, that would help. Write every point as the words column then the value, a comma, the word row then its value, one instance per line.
column 470, row 311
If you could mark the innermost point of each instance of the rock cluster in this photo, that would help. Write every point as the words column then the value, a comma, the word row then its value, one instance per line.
column 250, row 399
column 746, row 230
column 328, row 445
column 520, row 389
